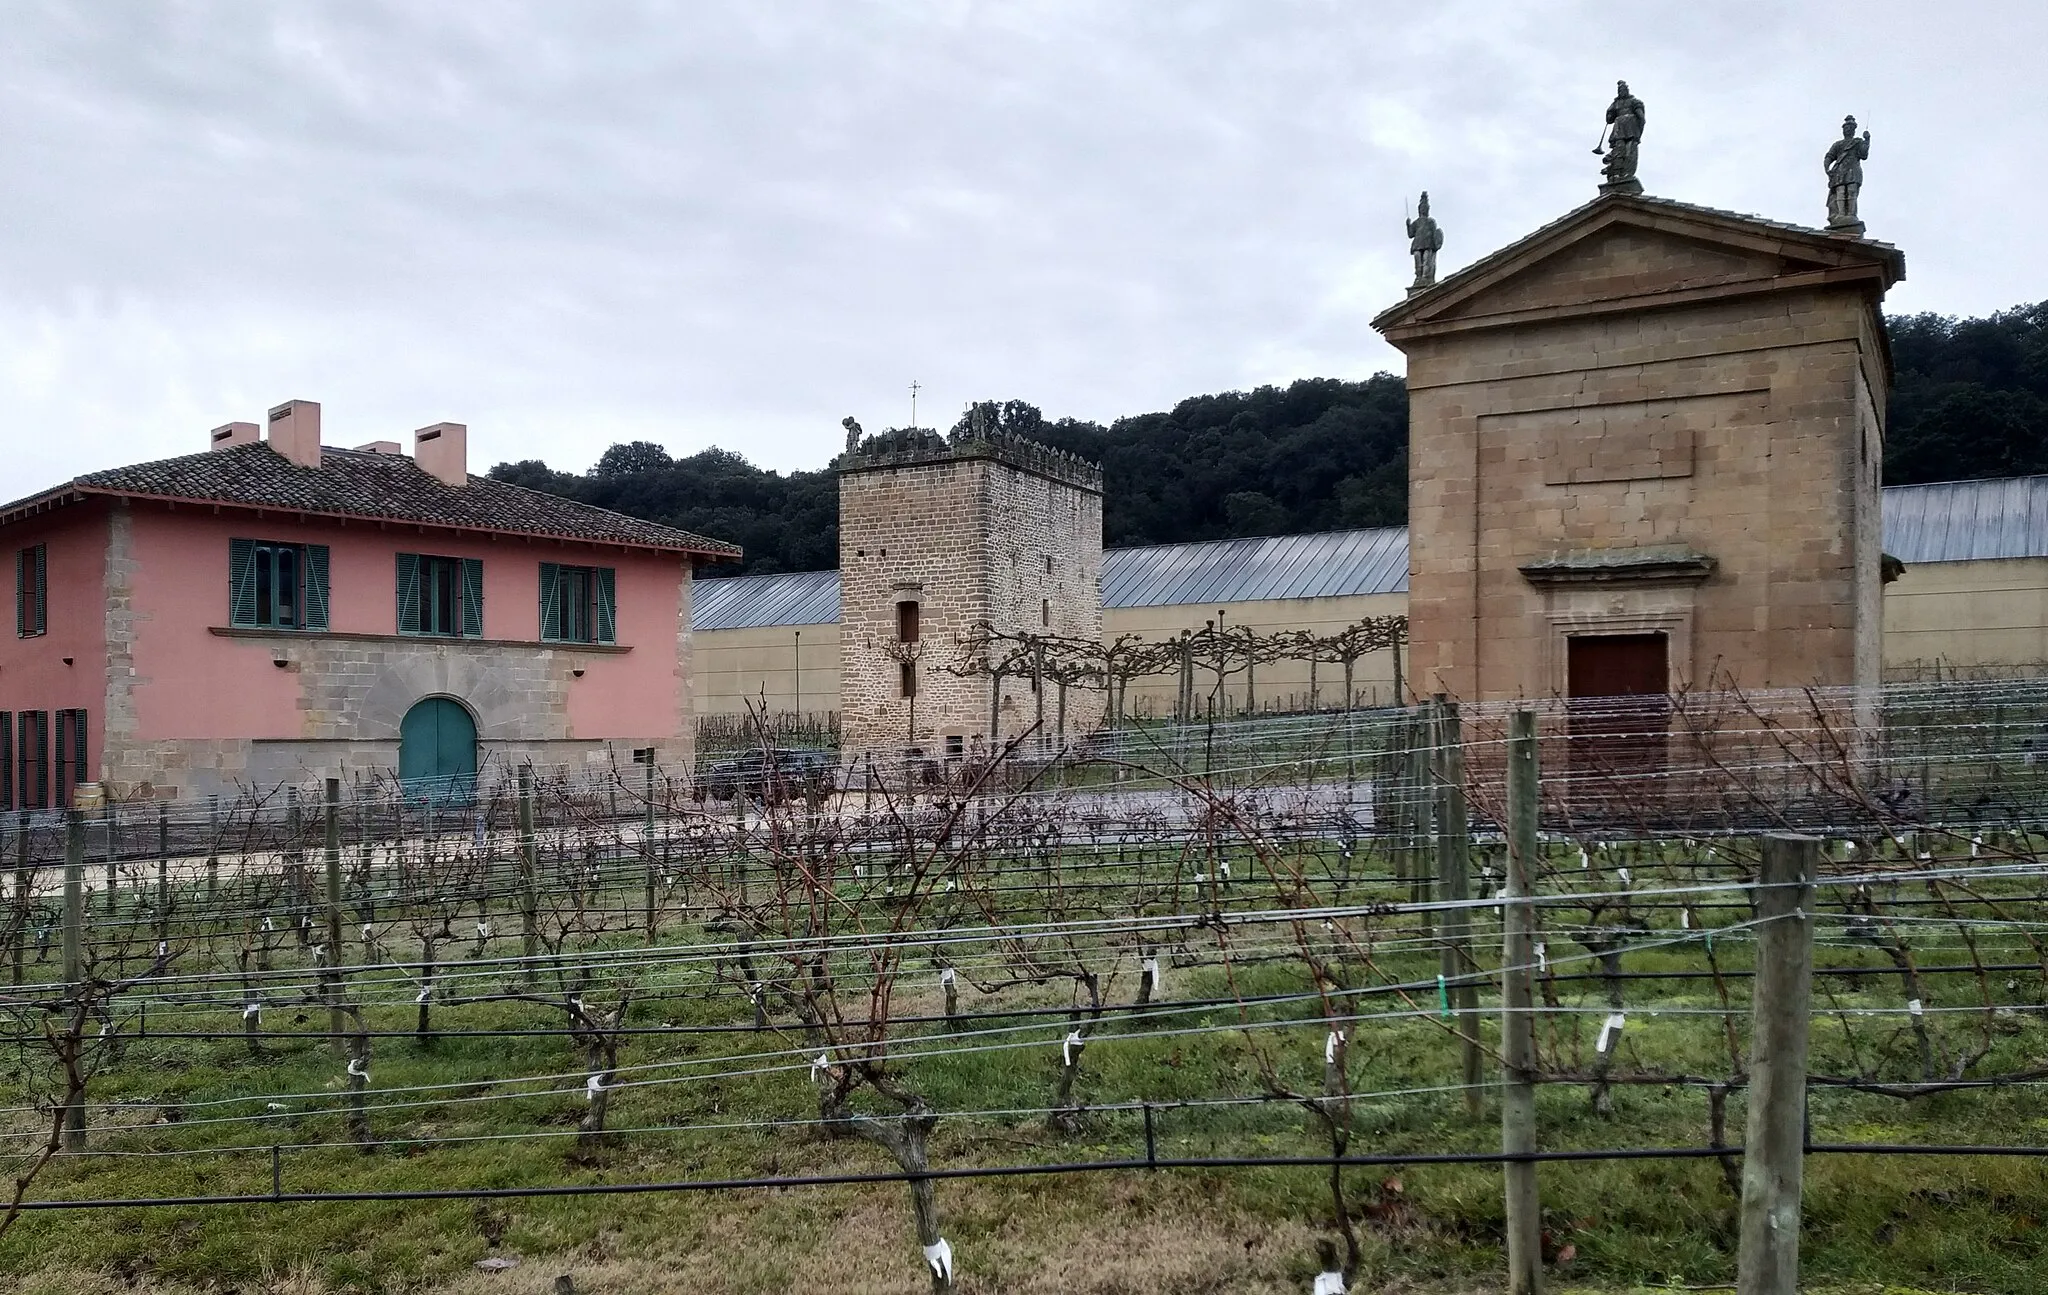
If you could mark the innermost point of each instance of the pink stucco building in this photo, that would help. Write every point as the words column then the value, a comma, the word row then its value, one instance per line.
column 274, row 610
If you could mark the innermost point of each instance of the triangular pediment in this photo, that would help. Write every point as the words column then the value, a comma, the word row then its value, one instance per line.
column 1628, row 251
column 1621, row 260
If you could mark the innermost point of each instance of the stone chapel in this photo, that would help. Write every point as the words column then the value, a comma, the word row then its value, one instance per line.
column 1645, row 447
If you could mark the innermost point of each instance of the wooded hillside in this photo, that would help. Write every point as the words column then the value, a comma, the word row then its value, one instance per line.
column 1317, row 454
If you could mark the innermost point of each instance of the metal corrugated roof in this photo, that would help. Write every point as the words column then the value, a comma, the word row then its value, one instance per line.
column 1328, row 565
column 752, row 602
column 1332, row 564
column 1949, row 521
column 1966, row 521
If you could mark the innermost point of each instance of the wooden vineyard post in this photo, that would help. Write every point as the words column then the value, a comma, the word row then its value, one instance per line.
column 1418, row 757
column 1518, row 1020
column 337, row 1022
column 1454, row 886
column 295, row 862
column 109, row 815
column 163, row 875
column 1389, row 805
column 647, row 847
column 529, row 867
column 74, row 954
column 1774, row 1149
column 24, row 884
column 212, row 848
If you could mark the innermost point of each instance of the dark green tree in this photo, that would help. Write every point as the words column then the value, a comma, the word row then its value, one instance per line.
column 1970, row 397
column 1971, row 400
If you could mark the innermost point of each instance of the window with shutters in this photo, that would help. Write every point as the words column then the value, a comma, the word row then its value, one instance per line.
column 31, row 590
column 908, row 621
column 32, row 763
column 442, row 596
column 275, row 585
column 6, row 761
column 69, row 769
column 578, row 604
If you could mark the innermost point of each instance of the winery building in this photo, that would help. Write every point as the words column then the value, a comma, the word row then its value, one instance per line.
column 277, row 610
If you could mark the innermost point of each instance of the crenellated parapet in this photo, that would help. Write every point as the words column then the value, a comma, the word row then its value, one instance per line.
column 918, row 446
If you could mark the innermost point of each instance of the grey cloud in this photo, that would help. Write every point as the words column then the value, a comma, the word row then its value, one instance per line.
column 733, row 222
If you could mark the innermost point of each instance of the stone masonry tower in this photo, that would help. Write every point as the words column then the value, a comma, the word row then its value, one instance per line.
column 937, row 536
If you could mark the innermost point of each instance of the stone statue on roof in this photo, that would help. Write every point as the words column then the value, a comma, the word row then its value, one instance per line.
column 1425, row 240
column 852, row 427
column 1623, row 136
column 1844, row 164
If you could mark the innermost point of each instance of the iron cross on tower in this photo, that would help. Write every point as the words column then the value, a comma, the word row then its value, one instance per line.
column 913, row 403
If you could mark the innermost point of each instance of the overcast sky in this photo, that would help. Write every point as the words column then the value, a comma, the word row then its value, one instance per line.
column 731, row 222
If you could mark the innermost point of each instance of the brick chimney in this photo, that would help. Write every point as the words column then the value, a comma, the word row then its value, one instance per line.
column 295, row 432
column 228, row 435
column 443, row 450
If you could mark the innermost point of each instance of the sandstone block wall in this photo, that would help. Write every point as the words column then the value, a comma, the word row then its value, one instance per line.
column 354, row 692
column 1573, row 410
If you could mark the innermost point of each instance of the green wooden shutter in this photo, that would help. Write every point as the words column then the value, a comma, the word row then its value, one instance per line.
column 241, row 582
column 62, row 763
column 550, row 601
column 606, row 596
column 473, row 597
column 31, row 591
column 78, row 746
column 6, row 760
column 316, row 587
column 35, row 759
column 408, row 593
column 69, row 767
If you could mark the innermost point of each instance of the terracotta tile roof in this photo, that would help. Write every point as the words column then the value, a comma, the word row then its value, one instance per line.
column 386, row 487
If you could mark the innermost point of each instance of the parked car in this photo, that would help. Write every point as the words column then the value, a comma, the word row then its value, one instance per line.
column 771, row 776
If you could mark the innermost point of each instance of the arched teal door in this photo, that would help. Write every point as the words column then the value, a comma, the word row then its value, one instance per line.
column 437, row 749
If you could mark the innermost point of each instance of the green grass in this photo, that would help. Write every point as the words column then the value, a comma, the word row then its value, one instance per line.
column 1875, row 1224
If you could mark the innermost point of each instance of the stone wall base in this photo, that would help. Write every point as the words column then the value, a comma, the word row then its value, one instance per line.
column 233, row 767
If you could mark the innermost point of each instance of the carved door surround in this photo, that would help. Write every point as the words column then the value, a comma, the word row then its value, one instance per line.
column 1650, row 590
